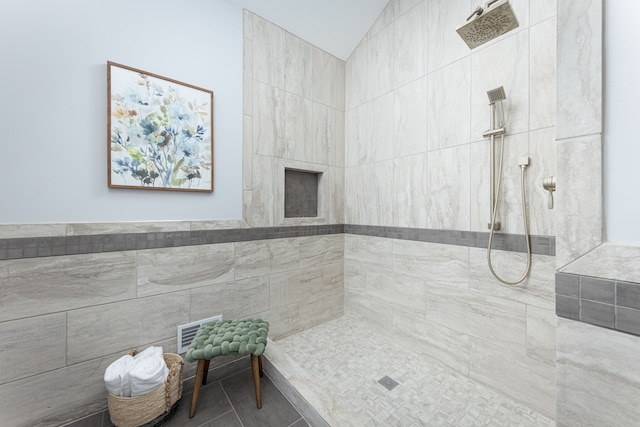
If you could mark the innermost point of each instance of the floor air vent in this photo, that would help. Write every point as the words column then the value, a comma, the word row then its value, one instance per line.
column 187, row 331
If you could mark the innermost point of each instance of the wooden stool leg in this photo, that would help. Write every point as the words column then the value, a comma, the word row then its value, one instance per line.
column 196, row 387
column 206, row 372
column 256, row 378
column 260, row 365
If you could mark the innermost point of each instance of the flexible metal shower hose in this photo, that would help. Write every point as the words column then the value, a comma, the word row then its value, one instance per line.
column 524, row 216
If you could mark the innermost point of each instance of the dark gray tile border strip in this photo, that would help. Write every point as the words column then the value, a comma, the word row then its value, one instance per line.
column 35, row 247
column 611, row 304
column 540, row 245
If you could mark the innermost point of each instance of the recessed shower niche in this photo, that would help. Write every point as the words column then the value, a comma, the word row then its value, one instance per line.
column 301, row 193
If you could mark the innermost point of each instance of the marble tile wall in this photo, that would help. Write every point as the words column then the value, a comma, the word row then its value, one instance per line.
column 415, row 94
column 442, row 300
column 293, row 112
column 423, row 154
column 65, row 318
column 597, row 379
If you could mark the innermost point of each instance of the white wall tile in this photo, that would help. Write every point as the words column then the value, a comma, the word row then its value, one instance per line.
column 356, row 77
column 174, row 269
column 355, row 277
column 409, row 45
column 410, row 118
column 324, row 77
column 269, row 112
column 356, row 136
column 56, row 397
column 449, row 91
column 529, row 381
column 32, row 346
column 480, row 170
column 380, row 63
column 579, row 197
column 543, row 153
column 247, row 77
column 298, row 128
column 431, row 339
column 294, row 286
column 538, row 289
column 543, row 75
column 501, row 64
column 495, row 320
column 368, row 250
column 267, row 192
column 598, row 377
column 509, row 212
column 541, row 334
column 233, row 300
column 323, row 136
column 379, row 196
column 284, row 254
column 65, row 283
column 444, row 45
column 283, row 321
column 321, row 250
column 252, row 259
column 411, row 201
column 579, row 109
column 397, row 290
column 436, row 263
column 298, row 65
column 247, row 152
column 333, row 199
column 124, row 325
column 448, row 188
column 356, row 201
column 268, row 52
column 378, row 314
column 379, row 128
column 541, row 10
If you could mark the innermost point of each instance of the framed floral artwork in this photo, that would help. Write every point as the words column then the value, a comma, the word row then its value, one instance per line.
column 160, row 132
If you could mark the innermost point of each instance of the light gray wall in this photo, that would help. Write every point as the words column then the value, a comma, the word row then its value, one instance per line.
column 53, row 111
column 621, row 148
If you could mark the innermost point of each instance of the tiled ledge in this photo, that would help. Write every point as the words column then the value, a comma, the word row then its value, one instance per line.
column 34, row 247
column 607, row 303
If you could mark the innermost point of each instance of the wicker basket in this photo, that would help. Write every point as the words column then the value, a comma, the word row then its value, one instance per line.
column 152, row 408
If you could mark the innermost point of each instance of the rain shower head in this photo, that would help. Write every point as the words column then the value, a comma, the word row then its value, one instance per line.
column 486, row 24
column 496, row 95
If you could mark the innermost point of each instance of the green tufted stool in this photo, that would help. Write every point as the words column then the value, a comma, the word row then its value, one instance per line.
column 226, row 338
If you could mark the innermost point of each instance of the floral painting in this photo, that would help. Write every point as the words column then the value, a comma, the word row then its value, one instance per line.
column 160, row 132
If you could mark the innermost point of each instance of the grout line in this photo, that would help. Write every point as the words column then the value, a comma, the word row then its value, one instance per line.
column 231, row 403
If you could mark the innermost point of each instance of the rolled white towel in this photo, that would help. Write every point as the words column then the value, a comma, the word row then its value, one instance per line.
column 147, row 374
column 116, row 376
column 153, row 351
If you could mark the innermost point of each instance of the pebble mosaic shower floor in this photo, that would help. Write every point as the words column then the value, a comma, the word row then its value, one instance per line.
column 346, row 359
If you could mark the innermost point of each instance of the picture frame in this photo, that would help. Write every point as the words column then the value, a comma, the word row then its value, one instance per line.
column 159, row 132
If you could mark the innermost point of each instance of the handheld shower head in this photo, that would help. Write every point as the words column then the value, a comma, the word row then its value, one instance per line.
column 496, row 95
column 486, row 24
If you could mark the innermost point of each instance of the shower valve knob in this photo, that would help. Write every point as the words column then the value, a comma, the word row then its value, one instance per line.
column 549, row 184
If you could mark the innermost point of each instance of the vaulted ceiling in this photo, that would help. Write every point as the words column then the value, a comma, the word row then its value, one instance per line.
column 337, row 26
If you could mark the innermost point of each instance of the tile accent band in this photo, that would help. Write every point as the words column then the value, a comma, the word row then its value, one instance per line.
column 610, row 304
column 35, row 247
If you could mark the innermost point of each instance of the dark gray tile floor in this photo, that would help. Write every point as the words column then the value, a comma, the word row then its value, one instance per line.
column 231, row 402
column 226, row 402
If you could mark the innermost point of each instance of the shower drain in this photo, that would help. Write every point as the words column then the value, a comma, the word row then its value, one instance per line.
column 388, row 383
